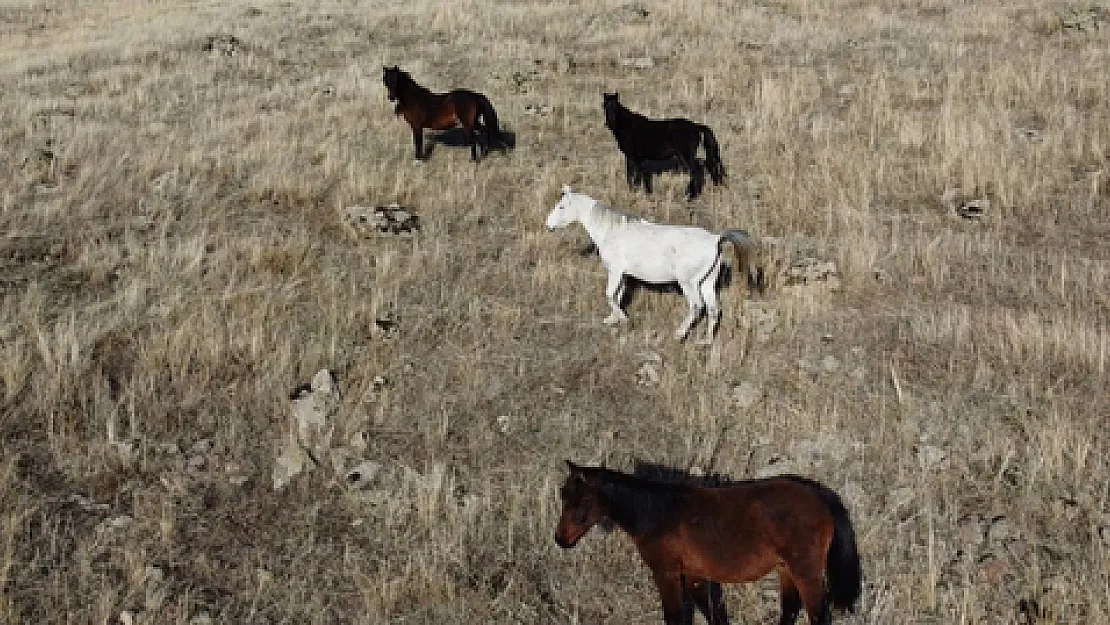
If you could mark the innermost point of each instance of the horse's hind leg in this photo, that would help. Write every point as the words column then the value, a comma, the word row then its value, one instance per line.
column 472, row 139
column 697, row 176
column 812, row 591
column 693, row 297
column 710, row 601
column 708, row 290
column 791, row 600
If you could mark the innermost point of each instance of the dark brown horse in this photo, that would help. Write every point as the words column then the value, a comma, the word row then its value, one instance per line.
column 443, row 111
column 694, row 538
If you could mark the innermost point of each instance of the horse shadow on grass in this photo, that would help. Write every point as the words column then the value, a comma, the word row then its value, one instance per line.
column 756, row 281
column 456, row 138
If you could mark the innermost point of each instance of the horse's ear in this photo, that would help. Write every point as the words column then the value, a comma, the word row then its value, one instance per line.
column 572, row 467
column 567, row 191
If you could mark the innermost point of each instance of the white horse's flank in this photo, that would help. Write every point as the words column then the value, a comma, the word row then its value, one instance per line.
column 656, row 253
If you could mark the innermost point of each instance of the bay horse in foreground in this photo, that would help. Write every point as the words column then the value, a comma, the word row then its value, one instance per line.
column 642, row 140
column 443, row 111
column 694, row 538
column 656, row 253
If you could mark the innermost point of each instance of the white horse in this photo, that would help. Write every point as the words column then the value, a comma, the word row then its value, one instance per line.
column 656, row 253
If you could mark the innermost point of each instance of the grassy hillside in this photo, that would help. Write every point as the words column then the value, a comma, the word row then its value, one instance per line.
column 174, row 261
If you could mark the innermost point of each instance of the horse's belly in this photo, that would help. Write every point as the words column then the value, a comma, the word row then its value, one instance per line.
column 443, row 122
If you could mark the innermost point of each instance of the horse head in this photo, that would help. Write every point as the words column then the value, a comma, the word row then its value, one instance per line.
column 612, row 105
column 582, row 505
column 566, row 209
column 392, row 78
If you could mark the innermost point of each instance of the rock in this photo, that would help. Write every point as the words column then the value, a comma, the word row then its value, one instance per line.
column 1082, row 19
column 1031, row 135
column 538, row 109
column 196, row 463
column 637, row 62
column 648, row 374
column 362, row 475
column 964, row 206
column 746, row 394
column 971, row 532
column 808, row 270
column 930, row 456
column 972, row 209
column 227, row 45
column 830, row 364
column 153, row 574
column 390, row 220
column 503, row 423
column 289, row 463
column 313, row 403
column 1001, row 529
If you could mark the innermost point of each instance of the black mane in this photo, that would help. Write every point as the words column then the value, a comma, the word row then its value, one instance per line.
column 638, row 504
column 674, row 475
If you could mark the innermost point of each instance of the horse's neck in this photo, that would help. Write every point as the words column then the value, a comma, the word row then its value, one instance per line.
column 638, row 506
column 413, row 90
column 599, row 221
column 628, row 117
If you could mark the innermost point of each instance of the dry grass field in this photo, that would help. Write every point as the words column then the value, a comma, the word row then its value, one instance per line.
column 173, row 262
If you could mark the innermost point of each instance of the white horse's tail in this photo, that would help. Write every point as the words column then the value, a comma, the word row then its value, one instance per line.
column 742, row 248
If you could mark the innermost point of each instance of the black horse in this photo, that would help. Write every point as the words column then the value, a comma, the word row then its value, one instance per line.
column 443, row 111
column 642, row 140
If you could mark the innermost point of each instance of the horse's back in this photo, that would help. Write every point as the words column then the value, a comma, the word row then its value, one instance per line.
column 780, row 507
column 660, row 252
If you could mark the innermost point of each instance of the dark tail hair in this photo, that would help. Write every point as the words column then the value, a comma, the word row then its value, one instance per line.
column 712, row 155
column 742, row 249
column 842, row 565
column 494, row 138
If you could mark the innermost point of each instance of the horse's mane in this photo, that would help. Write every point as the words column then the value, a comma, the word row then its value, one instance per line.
column 615, row 216
column 674, row 475
column 629, row 113
column 405, row 81
column 639, row 504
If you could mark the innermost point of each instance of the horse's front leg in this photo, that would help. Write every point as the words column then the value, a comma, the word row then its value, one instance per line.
column 677, row 610
column 614, row 289
column 418, row 142
column 631, row 173
column 710, row 600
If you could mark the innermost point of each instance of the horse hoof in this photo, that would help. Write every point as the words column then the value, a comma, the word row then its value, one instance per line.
column 611, row 320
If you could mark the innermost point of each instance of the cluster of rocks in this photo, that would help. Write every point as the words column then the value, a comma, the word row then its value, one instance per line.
column 378, row 221
column 226, row 45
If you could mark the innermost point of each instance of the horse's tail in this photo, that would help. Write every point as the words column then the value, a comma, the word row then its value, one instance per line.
column 842, row 565
column 712, row 155
column 742, row 247
column 496, row 139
